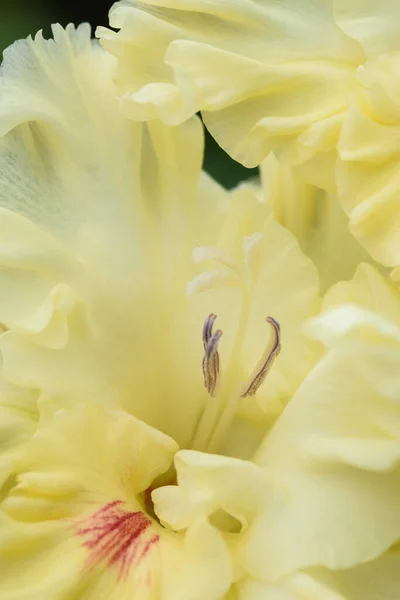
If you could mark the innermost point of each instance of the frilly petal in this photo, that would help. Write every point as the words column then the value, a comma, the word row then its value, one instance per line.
column 329, row 484
column 373, row 580
column 369, row 290
column 208, row 483
column 242, row 64
column 75, row 517
column 367, row 170
column 315, row 218
column 80, row 186
column 18, row 421
column 373, row 24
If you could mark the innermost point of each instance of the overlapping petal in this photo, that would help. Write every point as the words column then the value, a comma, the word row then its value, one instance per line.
column 334, row 454
column 316, row 83
column 82, row 248
column 316, row 219
column 377, row 579
column 368, row 146
column 317, row 511
column 369, row 290
column 18, row 421
column 367, row 176
column 268, row 76
column 99, row 251
column 374, row 25
column 76, row 519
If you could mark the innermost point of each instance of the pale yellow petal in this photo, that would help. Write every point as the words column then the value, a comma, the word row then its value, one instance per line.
column 243, row 64
column 234, row 495
column 370, row 193
column 76, row 518
column 296, row 586
column 112, row 453
column 373, row 24
column 333, row 456
column 367, row 171
column 18, row 421
column 315, row 218
column 375, row 580
column 50, row 164
column 368, row 289
column 207, row 485
column 97, row 234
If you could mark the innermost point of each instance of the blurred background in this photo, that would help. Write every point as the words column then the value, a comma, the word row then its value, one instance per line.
column 20, row 18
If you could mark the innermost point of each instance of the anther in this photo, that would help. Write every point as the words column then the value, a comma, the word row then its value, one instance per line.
column 207, row 328
column 266, row 362
column 211, row 356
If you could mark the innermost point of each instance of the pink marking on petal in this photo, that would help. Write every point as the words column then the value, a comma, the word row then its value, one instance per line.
column 116, row 537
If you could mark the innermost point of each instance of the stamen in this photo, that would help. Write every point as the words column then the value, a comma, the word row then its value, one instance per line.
column 271, row 352
column 211, row 356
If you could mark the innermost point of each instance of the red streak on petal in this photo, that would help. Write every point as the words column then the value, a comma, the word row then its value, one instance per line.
column 116, row 537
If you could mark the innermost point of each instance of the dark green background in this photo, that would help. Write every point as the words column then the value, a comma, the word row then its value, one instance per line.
column 20, row 18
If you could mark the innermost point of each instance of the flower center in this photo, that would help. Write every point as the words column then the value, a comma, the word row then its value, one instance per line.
column 225, row 393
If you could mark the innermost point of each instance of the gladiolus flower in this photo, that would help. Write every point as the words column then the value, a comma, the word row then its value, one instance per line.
column 179, row 421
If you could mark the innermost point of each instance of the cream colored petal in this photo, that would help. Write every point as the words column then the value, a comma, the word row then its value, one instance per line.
column 320, row 170
column 37, row 546
column 234, row 494
column 55, row 565
column 18, row 421
column 333, row 455
column 367, row 171
column 195, row 566
column 374, row 25
column 248, row 129
column 75, row 520
column 363, row 139
column 316, row 220
column 368, row 289
column 207, row 485
column 369, row 194
column 242, row 63
column 60, row 135
column 57, row 140
column 297, row 586
column 376, row 580
column 97, row 233
column 110, row 452
column 35, row 298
